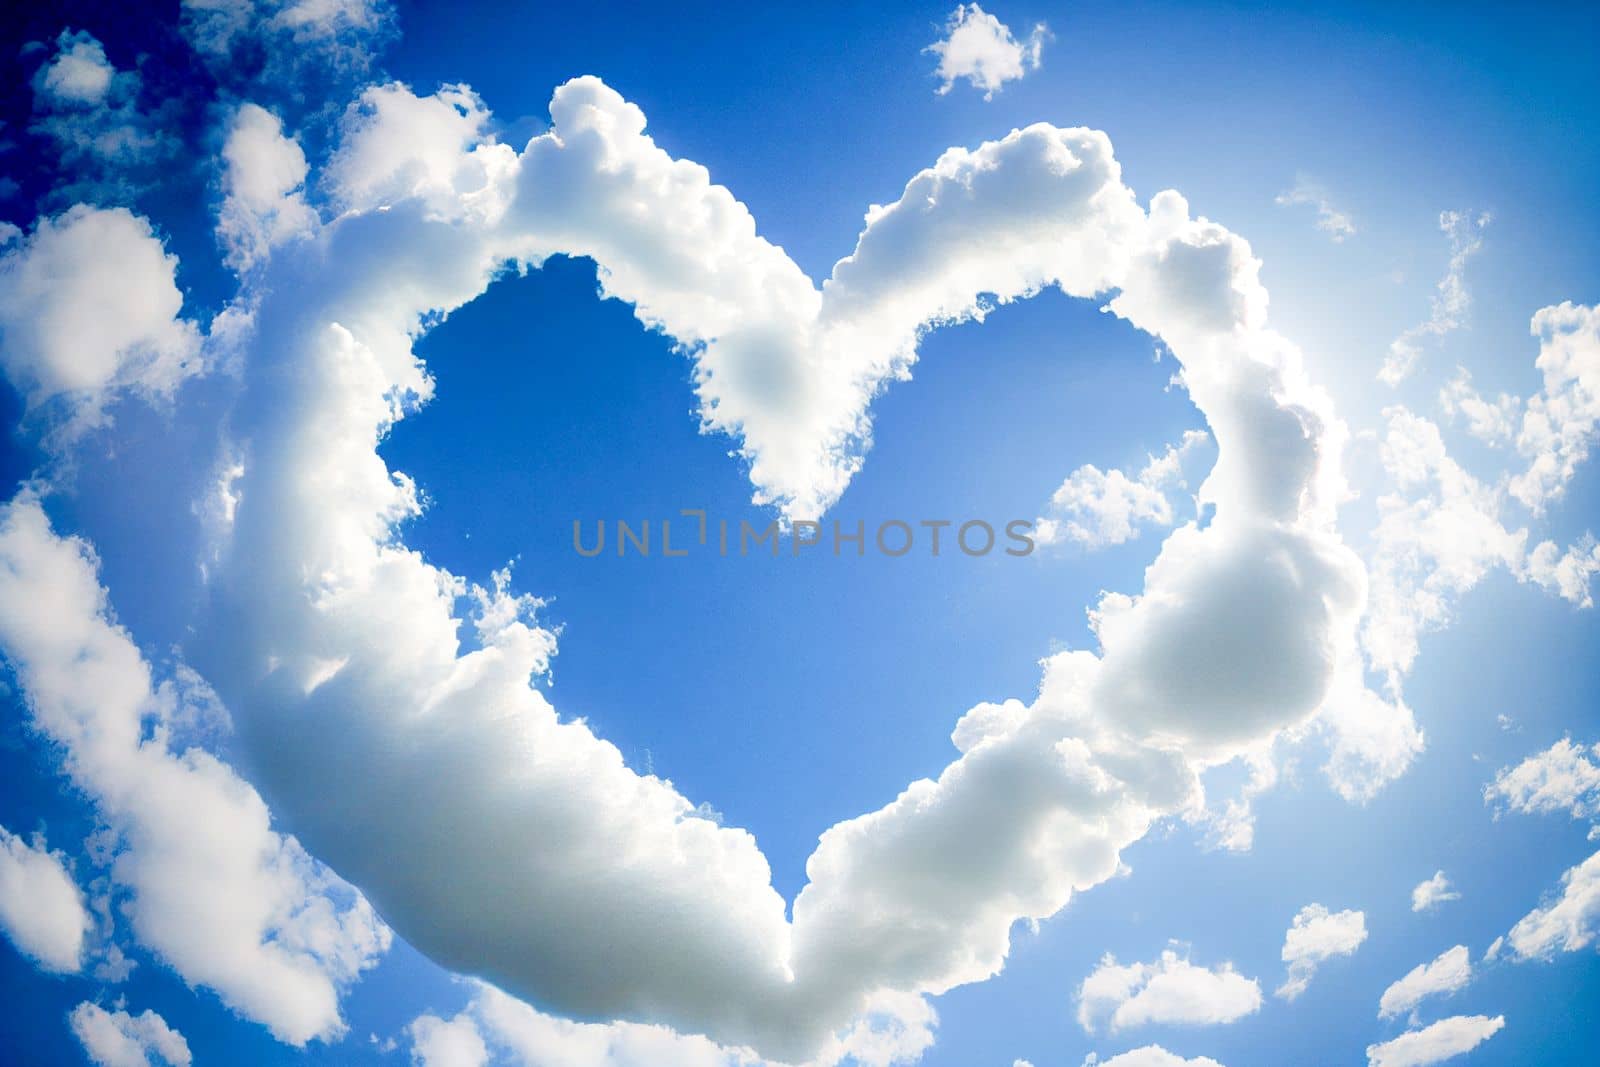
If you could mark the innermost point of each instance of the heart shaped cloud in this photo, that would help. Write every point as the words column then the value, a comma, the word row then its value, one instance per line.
column 396, row 717
column 503, row 841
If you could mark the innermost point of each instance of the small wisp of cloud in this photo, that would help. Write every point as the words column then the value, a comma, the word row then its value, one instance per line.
column 1429, row 894
column 1450, row 300
column 1330, row 220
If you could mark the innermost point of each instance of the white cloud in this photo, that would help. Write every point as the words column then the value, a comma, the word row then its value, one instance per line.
column 1566, row 923
column 263, row 184
column 282, row 43
column 1432, row 892
column 1170, row 991
column 1330, row 220
column 211, row 889
column 435, row 149
column 456, row 1042
column 41, row 907
column 1450, row 301
column 1562, row 778
column 1439, row 534
column 338, row 647
column 1047, row 796
column 1448, row 973
column 980, row 48
column 1494, row 422
column 1558, row 422
column 1047, row 792
column 1441, row 530
column 1315, row 936
column 118, row 1039
column 532, row 1037
column 91, row 111
column 1552, row 430
column 1231, row 824
column 89, row 304
column 1372, row 740
column 79, row 74
column 1152, row 1056
column 1570, row 573
column 535, row 1038
column 1435, row 1044
column 895, row 1030
column 334, row 646
column 1553, row 434
column 1095, row 508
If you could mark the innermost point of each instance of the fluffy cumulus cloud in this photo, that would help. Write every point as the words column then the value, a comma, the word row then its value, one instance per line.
column 1170, row 991
column 437, row 1042
column 1371, row 739
column 1492, row 421
column 41, row 908
column 334, row 645
column 1044, row 794
column 89, row 304
column 79, row 73
column 1451, row 300
column 92, row 112
column 1559, row 421
column 534, row 1038
column 207, row 884
column 1151, row 1056
column 1567, row 922
column 263, row 183
column 981, row 49
column 500, row 1029
column 1330, row 220
column 595, row 891
column 1568, row 572
column 1317, row 935
column 496, row 1028
column 434, row 150
column 118, row 1039
column 1094, row 507
column 1448, row 973
column 1564, row 778
column 1552, row 430
column 895, row 1028
column 1441, row 1041
column 1430, row 893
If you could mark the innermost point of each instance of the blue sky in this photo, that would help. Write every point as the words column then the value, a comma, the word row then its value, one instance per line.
column 1363, row 654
